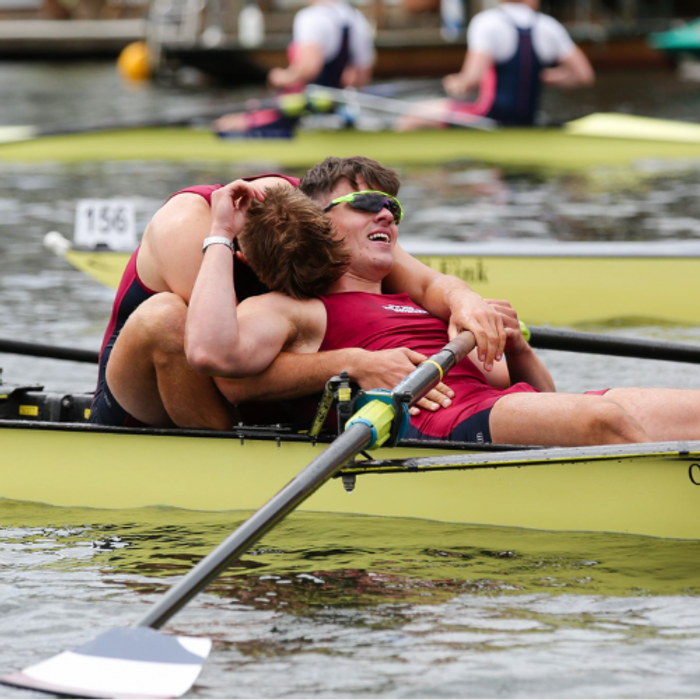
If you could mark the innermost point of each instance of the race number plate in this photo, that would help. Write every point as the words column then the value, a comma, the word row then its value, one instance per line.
column 109, row 223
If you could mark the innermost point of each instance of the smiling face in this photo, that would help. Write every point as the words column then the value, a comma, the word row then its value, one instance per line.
column 369, row 239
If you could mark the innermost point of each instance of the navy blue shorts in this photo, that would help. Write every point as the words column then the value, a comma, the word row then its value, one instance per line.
column 473, row 429
column 105, row 409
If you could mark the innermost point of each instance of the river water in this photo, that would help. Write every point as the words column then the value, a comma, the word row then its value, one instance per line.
column 348, row 607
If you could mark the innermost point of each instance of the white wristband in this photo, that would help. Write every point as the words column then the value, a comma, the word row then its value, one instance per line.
column 211, row 240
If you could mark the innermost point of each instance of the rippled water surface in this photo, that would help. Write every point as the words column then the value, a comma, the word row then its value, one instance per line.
column 367, row 607
column 341, row 606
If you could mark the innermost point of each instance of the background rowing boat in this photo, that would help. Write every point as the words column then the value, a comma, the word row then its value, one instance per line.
column 559, row 284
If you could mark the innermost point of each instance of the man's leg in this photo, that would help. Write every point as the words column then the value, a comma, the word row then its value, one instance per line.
column 149, row 376
column 563, row 419
column 664, row 414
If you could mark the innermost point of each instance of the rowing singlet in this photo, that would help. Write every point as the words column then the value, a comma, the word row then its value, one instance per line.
column 385, row 321
column 510, row 90
column 518, row 83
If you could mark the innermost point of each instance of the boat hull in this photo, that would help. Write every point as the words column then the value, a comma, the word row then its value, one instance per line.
column 546, row 148
column 565, row 284
column 645, row 490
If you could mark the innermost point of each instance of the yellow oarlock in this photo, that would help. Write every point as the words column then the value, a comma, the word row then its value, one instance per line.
column 525, row 331
column 321, row 102
column 383, row 413
column 292, row 105
column 379, row 416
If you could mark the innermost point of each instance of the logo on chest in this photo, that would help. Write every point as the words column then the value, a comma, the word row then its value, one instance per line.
column 399, row 309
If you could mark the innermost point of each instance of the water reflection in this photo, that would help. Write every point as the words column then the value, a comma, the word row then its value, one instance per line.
column 338, row 606
column 320, row 559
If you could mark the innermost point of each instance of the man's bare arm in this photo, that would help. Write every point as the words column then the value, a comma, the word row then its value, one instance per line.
column 307, row 64
column 452, row 300
column 573, row 71
column 523, row 363
column 293, row 375
column 469, row 78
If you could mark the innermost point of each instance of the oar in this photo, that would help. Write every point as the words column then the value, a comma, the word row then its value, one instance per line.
column 400, row 107
column 13, row 134
column 54, row 352
column 140, row 662
column 573, row 341
column 537, row 336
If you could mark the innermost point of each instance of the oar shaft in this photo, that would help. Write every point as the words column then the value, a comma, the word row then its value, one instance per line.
column 343, row 449
column 18, row 347
column 428, row 374
column 401, row 108
column 572, row 341
column 346, row 446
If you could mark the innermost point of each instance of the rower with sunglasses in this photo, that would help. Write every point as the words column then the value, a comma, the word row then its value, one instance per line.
column 327, row 258
column 144, row 377
column 329, row 275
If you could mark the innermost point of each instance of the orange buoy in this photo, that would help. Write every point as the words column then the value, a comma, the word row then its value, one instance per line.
column 134, row 62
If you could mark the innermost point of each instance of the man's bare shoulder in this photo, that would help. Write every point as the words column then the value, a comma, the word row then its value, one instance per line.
column 172, row 243
column 181, row 210
column 280, row 302
column 306, row 317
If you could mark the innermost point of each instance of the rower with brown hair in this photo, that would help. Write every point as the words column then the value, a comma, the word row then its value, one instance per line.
column 516, row 403
column 144, row 377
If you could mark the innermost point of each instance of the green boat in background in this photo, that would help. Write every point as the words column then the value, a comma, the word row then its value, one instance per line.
column 552, row 283
column 595, row 140
column 685, row 39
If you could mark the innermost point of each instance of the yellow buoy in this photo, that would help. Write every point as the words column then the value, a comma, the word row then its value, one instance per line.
column 134, row 62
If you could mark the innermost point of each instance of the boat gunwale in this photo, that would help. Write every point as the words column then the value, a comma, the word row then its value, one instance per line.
column 276, row 432
column 594, row 250
column 477, row 455
column 536, row 456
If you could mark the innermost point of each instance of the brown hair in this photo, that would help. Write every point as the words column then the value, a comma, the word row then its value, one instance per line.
column 289, row 242
column 322, row 178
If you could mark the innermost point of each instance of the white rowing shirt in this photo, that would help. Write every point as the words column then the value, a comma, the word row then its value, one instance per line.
column 322, row 23
column 492, row 32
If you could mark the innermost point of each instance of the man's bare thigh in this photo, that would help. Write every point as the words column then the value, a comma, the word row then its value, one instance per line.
column 561, row 419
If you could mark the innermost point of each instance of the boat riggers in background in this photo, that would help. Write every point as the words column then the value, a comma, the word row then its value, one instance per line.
column 13, row 134
column 357, row 99
column 202, row 118
column 140, row 662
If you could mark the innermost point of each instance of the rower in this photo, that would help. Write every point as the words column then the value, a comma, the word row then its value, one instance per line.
column 332, row 45
column 340, row 242
column 144, row 377
column 513, row 50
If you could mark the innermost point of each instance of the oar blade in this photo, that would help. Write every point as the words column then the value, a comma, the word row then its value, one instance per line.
column 134, row 662
column 13, row 134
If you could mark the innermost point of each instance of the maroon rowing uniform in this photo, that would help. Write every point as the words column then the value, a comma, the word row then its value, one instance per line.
column 386, row 321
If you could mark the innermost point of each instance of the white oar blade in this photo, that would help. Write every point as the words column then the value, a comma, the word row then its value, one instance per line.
column 134, row 662
column 11, row 134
